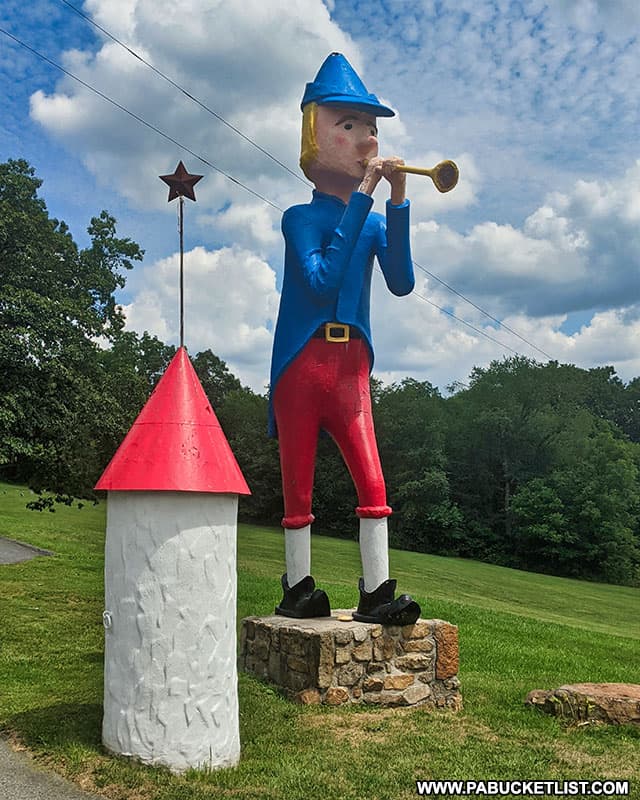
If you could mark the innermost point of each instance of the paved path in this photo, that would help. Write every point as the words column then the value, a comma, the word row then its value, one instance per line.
column 13, row 552
column 22, row 779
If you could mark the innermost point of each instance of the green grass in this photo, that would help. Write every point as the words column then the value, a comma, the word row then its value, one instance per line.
column 518, row 631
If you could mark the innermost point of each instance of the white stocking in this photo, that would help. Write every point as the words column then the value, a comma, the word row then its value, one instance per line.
column 374, row 552
column 297, row 550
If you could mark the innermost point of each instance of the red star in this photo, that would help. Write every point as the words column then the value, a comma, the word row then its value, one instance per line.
column 181, row 183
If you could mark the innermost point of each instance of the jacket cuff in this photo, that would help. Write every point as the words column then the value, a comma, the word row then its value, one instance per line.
column 404, row 204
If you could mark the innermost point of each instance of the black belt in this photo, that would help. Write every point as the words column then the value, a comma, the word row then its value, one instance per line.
column 337, row 332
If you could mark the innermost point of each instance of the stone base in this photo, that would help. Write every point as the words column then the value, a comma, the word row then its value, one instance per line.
column 336, row 660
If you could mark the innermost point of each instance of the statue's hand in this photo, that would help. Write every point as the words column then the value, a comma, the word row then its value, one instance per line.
column 398, row 180
column 373, row 174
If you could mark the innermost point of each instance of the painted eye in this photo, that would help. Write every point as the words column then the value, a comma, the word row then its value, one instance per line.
column 348, row 126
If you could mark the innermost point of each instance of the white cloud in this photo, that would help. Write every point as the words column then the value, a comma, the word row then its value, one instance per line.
column 578, row 251
column 117, row 16
column 611, row 337
column 250, row 225
column 527, row 98
column 512, row 272
column 230, row 304
column 236, row 58
column 413, row 338
column 593, row 15
column 535, row 98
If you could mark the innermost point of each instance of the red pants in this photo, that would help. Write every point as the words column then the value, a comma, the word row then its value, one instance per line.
column 327, row 386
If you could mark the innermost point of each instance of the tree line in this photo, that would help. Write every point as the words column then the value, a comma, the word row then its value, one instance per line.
column 528, row 465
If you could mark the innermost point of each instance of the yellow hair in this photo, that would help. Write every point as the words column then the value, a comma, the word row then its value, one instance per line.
column 309, row 145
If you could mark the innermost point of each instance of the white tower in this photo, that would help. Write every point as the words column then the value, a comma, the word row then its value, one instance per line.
column 170, row 681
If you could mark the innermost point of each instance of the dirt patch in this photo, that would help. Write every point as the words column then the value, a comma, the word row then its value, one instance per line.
column 606, row 765
column 116, row 792
column 362, row 727
column 460, row 728
column 368, row 727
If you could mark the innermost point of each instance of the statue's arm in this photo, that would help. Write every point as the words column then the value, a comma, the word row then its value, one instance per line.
column 323, row 268
column 394, row 249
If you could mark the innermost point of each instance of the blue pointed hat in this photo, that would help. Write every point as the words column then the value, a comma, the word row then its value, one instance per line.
column 338, row 83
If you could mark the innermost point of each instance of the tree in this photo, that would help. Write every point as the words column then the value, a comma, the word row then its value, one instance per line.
column 243, row 417
column 581, row 519
column 499, row 435
column 129, row 371
column 629, row 414
column 215, row 377
column 410, row 424
column 334, row 495
column 545, row 478
column 55, row 301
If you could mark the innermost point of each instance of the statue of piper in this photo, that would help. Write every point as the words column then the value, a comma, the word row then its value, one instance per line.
column 323, row 351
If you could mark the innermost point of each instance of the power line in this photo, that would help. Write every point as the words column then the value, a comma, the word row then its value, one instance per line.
column 140, row 120
column 459, row 319
column 264, row 199
column 486, row 313
column 180, row 88
column 284, row 166
column 468, row 324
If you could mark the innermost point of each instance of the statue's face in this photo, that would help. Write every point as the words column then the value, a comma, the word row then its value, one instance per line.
column 346, row 138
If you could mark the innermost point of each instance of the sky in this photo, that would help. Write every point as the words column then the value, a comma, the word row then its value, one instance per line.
column 538, row 103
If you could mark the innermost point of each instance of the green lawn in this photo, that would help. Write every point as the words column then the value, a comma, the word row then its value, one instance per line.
column 518, row 631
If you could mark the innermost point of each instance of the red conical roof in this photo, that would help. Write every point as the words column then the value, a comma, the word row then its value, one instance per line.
column 176, row 443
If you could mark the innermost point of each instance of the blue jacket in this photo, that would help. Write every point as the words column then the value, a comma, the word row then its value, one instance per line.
column 329, row 250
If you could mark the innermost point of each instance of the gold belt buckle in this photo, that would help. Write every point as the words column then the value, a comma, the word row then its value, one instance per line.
column 341, row 332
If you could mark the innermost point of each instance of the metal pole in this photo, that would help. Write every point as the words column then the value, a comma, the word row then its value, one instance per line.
column 181, row 271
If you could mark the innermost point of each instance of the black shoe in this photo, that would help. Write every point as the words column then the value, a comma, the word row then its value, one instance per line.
column 379, row 606
column 303, row 600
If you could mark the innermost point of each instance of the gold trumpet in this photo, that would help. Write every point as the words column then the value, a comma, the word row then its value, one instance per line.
column 444, row 175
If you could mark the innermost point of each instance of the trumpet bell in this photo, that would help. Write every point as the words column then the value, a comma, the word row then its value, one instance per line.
column 445, row 176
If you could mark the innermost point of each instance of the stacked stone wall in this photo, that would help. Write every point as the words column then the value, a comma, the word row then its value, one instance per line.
column 337, row 661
